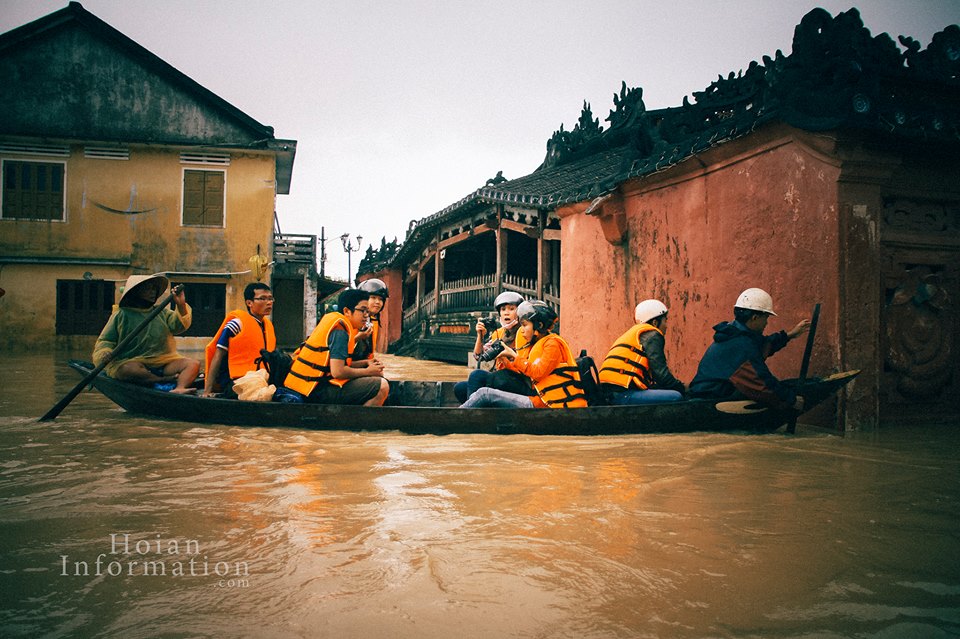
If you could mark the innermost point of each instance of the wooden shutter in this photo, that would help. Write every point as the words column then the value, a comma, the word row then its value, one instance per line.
column 33, row 191
column 213, row 198
column 203, row 198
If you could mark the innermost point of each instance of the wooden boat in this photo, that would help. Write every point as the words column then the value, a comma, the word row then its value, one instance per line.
column 431, row 408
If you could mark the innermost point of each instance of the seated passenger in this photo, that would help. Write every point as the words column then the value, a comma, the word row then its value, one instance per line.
column 734, row 365
column 324, row 371
column 635, row 370
column 367, row 337
column 548, row 363
column 509, row 333
column 239, row 340
column 152, row 358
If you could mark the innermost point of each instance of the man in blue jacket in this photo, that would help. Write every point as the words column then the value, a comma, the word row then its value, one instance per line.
column 735, row 363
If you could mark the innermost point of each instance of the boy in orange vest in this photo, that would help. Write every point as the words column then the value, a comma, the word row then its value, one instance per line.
column 635, row 370
column 239, row 340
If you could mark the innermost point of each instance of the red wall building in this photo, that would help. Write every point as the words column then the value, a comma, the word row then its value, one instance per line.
column 830, row 175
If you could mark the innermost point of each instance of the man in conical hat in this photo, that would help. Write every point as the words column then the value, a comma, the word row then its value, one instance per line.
column 151, row 359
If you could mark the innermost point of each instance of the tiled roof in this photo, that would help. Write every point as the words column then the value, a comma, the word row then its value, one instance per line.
column 837, row 77
column 252, row 135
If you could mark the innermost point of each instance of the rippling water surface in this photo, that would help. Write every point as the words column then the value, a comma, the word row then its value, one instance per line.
column 291, row 533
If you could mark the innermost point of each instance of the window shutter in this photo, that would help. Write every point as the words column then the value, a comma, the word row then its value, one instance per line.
column 203, row 198
column 193, row 197
column 213, row 199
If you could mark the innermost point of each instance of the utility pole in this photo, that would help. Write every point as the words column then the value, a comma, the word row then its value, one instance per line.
column 323, row 251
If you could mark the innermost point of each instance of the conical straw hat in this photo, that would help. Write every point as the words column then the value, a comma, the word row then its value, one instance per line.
column 136, row 280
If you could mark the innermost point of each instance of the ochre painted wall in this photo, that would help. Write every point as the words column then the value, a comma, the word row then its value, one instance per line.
column 760, row 212
column 148, row 233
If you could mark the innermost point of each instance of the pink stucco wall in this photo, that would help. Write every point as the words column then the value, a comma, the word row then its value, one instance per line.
column 761, row 212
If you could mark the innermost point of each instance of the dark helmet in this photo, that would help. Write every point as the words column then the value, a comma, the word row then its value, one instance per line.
column 537, row 313
column 373, row 286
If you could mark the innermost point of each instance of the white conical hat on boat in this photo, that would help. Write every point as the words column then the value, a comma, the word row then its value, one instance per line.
column 136, row 280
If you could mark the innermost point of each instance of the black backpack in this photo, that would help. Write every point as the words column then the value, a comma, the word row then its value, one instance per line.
column 277, row 364
column 590, row 380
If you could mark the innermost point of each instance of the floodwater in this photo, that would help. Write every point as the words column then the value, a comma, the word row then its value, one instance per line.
column 113, row 526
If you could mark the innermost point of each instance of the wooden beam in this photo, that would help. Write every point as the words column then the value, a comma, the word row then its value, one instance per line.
column 460, row 237
column 515, row 226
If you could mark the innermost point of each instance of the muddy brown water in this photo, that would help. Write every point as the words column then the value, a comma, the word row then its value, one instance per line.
column 120, row 526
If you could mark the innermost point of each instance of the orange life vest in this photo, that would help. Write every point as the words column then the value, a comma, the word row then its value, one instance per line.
column 374, row 336
column 561, row 387
column 311, row 362
column 243, row 355
column 500, row 333
column 518, row 343
column 626, row 364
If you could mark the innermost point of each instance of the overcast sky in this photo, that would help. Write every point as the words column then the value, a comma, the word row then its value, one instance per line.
column 401, row 108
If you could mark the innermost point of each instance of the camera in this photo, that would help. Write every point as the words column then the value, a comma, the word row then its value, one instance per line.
column 491, row 351
column 490, row 323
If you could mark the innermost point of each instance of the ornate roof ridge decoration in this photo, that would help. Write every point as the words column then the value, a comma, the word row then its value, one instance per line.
column 837, row 76
column 377, row 259
column 585, row 132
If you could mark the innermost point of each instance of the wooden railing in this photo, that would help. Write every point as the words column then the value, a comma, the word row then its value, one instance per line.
column 551, row 295
column 468, row 294
column 524, row 285
column 294, row 248
column 475, row 294
column 411, row 317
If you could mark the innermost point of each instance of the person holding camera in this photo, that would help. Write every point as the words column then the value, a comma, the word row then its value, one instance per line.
column 547, row 362
column 500, row 331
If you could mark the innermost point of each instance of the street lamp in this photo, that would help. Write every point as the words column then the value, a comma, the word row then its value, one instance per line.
column 348, row 248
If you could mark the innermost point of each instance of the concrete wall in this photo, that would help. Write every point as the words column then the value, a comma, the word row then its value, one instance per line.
column 147, row 233
column 76, row 84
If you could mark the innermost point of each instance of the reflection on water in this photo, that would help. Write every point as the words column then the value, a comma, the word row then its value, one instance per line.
column 340, row 534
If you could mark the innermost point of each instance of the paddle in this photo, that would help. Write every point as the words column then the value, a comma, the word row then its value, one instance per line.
column 805, row 364
column 53, row 412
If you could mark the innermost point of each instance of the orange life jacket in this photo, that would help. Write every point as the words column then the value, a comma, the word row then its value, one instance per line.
column 311, row 362
column 561, row 387
column 243, row 355
column 500, row 333
column 374, row 336
column 626, row 364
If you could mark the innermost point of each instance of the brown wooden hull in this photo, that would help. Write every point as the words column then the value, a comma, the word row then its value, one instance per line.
column 429, row 408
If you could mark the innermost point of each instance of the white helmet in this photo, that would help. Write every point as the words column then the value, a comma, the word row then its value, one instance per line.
column 756, row 299
column 649, row 310
column 507, row 297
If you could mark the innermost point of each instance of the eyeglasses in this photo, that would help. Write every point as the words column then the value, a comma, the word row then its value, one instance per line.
column 365, row 311
column 268, row 298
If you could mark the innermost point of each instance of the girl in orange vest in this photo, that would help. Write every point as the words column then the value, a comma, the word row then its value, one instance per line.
column 368, row 337
column 546, row 360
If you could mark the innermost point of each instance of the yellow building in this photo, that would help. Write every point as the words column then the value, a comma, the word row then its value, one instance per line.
column 114, row 163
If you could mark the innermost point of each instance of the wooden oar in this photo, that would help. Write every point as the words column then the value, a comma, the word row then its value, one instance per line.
column 53, row 412
column 805, row 364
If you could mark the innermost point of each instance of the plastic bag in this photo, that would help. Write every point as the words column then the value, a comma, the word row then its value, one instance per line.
column 253, row 387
